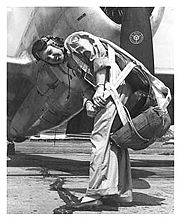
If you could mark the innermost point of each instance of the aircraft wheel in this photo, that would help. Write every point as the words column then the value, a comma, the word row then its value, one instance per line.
column 11, row 148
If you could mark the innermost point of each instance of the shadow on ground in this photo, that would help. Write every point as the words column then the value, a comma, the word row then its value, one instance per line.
column 38, row 162
column 151, row 163
column 139, row 199
column 81, row 168
column 75, row 167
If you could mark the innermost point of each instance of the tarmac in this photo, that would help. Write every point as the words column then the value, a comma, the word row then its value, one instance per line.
column 38, row 164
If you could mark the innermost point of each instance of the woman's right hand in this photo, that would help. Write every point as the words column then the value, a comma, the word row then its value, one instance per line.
column 91, row 111
column 98, row 97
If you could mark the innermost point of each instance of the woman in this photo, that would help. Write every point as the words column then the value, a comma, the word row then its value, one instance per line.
column 110, row 173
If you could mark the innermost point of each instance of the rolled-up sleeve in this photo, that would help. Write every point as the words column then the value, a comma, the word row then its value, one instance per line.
column 101, row 63
column 90, row 48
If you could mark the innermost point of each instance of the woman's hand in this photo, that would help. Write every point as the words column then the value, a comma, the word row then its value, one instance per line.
column 91, row 111
column 98, row 97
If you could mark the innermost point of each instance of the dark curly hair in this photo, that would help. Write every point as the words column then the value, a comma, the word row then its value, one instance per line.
column 41, row 45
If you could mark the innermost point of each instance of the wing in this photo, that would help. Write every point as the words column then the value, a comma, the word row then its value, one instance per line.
column 37, row 99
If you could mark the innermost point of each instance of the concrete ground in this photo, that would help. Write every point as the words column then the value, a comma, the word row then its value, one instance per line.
column 36, row 165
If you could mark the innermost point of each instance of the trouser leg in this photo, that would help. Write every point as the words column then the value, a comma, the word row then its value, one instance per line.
column 110, row 166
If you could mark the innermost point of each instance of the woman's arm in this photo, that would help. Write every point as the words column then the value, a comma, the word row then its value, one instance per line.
column 87, row 89
column 89, row 48
column 98, row 97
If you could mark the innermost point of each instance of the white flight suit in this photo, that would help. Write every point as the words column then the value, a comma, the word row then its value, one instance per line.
column 110, row 171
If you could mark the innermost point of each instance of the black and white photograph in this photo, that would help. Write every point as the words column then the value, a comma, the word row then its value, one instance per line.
column 90, row 109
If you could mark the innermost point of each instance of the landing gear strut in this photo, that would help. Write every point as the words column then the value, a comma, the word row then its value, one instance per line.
column 11, row 148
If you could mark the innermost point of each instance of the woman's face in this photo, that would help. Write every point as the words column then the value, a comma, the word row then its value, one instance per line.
column 52, row 55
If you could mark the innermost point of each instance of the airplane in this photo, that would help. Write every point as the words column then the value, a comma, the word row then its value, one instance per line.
column 40, row 97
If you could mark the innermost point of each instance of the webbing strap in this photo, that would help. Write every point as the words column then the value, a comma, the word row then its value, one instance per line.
column 123, row 114
column 119, row 106
column 162, row 92
column 111, row 55
column 111, row 87
column 120, row 78
column 159, row 89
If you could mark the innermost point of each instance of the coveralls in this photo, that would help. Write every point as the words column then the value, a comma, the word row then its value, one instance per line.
column 110, row 171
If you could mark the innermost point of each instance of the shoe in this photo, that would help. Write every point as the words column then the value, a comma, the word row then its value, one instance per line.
column 88, row 206
column 116, row 201
column 65, row 209
column 94, row 205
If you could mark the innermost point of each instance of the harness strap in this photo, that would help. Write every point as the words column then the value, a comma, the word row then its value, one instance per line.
column 111, row 56
column 120, row 78
column 159, row 89
column 119, row 106
column 111, row 87
column 161, row 92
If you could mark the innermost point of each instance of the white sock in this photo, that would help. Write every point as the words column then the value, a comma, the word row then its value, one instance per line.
column 87, row 199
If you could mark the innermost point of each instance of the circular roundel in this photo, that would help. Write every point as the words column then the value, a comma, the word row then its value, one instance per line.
column 136, row 37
